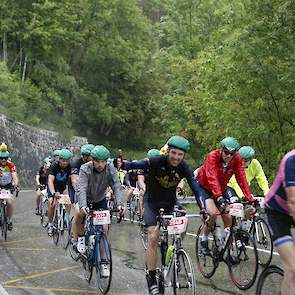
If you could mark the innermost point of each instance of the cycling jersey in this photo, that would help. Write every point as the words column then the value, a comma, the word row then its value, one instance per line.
column 214, row 174
column 162, row 180
column 76, row 165
column 6, row 173
column 43, row 176
column 276, row 198
column 61, row 176
column 254, row 170
column 122, row 175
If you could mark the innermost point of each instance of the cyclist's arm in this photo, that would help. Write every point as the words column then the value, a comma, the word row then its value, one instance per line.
column 14, row 179
column 260, row 177
column 141, row 183
column 51, row 184
column 211, row 169
column 38, row 179
column 116, row 186
column 234, row 185
column 194, row 185
column 74, row 179
column 290, row 183
column 141, row 164
column 241, row 179
column 82, row 187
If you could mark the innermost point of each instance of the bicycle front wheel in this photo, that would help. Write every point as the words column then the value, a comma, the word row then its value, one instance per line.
column 65, row 232
column 262, row 237
column 242, row 259
column 55, row 236
column 44, row 214
column 185, row 282
column 206, row 262
column 4, row 224
column 103, row 265
column 270, row 281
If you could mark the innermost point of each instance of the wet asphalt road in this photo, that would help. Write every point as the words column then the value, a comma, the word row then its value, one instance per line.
column 31, row 264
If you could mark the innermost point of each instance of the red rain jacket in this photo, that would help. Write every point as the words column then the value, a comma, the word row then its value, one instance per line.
column 214, row 177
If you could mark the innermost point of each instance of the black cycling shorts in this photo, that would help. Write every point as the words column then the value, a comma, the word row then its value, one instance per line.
column 151, row 211
column 99, row 205
column 280, row 226
column 8, row 187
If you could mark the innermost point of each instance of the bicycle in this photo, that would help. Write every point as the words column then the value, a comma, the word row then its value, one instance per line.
column 261, row 234
column 96, row 241
column 134, row 206
column 236, row 248
column 177, row 271
column 61, row 222
column 270, row 281
column 43, row 208
column 5, row 195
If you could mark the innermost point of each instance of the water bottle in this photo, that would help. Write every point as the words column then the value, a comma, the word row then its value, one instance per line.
column 169, row 254
column 225, row 236
column 91, row 242
column 218, row 235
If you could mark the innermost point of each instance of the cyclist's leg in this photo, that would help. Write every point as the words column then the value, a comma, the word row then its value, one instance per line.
column 10, row 203
column 38, row 198
column 51, row 208
column 228, row 194
column 78, row 222
column 280, row 228
column 150, row 219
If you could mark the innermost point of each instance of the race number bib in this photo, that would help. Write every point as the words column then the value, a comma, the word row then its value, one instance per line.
column 177, row 225
column 101, row 217
column 5, row 194
column 237, row 210
column 64, row 199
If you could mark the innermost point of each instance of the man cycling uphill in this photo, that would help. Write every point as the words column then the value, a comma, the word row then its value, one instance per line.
column 93, row 180
column 280, row 212
column 59, row 174
column 213, row 177
column 253, row 169
column 41, row 181
column 163, row 175
column 76, row 164
column 8, row 181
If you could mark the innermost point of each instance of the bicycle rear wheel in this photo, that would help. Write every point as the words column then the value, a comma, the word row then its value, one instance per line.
column 242, row 259
column 105, row 260
column 65, row 232
column 270, row 281
column 262, row 237
column 143, row 235
column 185, row 282
column 87, row 265
column 207, row 264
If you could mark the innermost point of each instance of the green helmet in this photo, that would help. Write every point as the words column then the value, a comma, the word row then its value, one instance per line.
column 153, row 153
column 86, row 149
column 65, row 154
column 100, row 152
column 47, row 160
column 179, row 142
column 230, row 143
column 4, row 154
column 56, row 153
column 247, row 152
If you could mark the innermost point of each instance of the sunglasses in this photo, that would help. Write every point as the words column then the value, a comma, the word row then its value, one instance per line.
column 227, row 152
column 3, row 158
column 247, row 160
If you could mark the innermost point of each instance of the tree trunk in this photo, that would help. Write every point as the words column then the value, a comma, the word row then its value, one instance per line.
column 24, row 69
column 5, row 47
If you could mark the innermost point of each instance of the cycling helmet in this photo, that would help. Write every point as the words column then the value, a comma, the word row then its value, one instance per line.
column 153, row 153
column 3, row 147
column 86, row 149
column 65, row 154
column 4, row 154
column 100, row 152
column 178, row 142
column 56, row 153
column 247, row 152
column 230, row 143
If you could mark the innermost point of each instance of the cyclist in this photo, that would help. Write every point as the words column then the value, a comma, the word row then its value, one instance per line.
column 280, row 212
column 56, row 155
column 59, row 174
column 253, row 170
column 163, row 173
column 213, row 177
column 131, row 182
column 8, row 181
column 41, row 181
column 94, row 179
column 76, row 164
column 121, row 173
